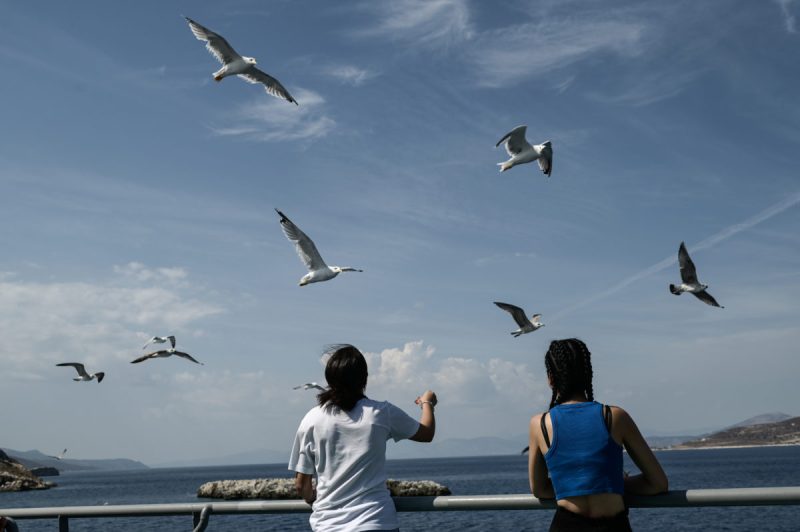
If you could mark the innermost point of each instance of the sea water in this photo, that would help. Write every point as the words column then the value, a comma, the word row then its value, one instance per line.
column 711, row 468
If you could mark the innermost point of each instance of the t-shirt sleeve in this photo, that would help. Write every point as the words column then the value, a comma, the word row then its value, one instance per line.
column 401, row 425
column 302, row 458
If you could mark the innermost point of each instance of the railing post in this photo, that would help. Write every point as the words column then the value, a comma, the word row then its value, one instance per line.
column 63, row 523
column 200, row 519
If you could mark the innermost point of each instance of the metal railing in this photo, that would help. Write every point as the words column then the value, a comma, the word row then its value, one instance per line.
column 201, row 512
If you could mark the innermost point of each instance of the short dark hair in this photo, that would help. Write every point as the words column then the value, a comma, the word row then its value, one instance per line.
column 346, row 373
column 569, row 366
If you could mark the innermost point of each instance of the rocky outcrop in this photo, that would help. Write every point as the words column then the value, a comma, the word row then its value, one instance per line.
column 16, row 477
column 786, row 432
column 283, row 488
column 45, row 471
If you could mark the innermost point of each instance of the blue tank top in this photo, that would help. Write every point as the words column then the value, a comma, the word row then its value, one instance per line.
column 583, row 458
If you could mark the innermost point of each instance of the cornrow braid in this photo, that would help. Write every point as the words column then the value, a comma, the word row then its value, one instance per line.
column 569, row 366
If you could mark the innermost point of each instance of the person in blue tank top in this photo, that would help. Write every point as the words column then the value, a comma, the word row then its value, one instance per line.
column 576, row 449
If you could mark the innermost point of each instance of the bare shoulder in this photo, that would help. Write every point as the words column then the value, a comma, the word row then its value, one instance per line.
column 620, row 414
column 536, row 421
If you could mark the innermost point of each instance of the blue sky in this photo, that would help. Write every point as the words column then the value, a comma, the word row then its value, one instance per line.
column 137, row 199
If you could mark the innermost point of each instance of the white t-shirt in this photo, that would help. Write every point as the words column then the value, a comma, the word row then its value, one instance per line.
column 347, row 451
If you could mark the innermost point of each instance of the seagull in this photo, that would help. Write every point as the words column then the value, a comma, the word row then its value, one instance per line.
column 160, row 340
column 235, row 64
column 165, row 353
column 525, row 325
column 521, row 151
column 310, row 385
column 690, row 283
column 317, row 269
column 82, row 375
column 60, row 455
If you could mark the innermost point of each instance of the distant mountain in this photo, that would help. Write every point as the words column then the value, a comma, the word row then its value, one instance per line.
column 36, row 458
column 772, row 417
column 786, row 432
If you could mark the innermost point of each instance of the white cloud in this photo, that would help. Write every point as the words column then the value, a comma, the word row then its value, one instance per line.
column 269, row 119
column 400, row 373
column 42, row 323
column 788, row 17
column 427, row 22
column 350, row 74
column 508, row 55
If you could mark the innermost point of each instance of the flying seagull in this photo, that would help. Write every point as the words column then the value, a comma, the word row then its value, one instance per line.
column 235, row 64
column 690, row 283
column 317, row 269
column 82, row 375
column 525, row 325
column 160, row 340
column 164, row 353
column 60, row 455
column 521, row 151
column 309, row 386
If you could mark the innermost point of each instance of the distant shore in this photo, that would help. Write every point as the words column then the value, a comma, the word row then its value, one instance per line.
column 710, row 447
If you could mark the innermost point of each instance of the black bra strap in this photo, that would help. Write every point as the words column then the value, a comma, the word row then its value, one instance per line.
column 544, row 430
column 608, row 418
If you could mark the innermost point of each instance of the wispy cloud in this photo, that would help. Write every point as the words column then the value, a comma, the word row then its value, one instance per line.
column 350, row 74
column 271, row 120
column 43, row 322
column 508, row 55
column 788, row 17
column 426, row 22
column 716, row 238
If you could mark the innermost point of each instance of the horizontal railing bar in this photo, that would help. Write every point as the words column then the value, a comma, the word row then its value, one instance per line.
column 789, row 495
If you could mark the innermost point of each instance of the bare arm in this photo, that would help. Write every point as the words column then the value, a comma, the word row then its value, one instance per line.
column 541, row 485
column 427, row 419
column 305, row 488
column 652, row 479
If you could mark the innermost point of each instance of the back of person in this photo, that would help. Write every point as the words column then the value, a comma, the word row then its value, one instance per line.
column 349, row 452
column 583, row 458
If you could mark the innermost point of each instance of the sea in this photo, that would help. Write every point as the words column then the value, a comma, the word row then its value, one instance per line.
column 689, row 469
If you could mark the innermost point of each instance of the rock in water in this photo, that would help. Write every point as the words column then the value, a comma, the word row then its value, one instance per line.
column 16, row 477
column 416, row 488
column 283, row 488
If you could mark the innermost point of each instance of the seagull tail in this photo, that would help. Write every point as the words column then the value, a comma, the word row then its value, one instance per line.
column 505, row 166
column 674, row 290
column 515, row 334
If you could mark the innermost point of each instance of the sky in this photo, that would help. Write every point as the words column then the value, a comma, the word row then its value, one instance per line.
column 137, row 198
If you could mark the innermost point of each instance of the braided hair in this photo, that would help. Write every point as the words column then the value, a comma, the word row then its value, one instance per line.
column 569, row 366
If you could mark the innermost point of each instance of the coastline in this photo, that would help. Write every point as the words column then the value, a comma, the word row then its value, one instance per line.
column 717, row 447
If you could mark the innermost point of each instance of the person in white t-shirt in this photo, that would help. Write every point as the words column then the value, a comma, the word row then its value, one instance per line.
column 343, row 442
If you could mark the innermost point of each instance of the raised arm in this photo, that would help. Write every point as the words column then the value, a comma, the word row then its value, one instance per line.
column 427, row 420
column 652, row 479
column 541, row 486
column 305, row 488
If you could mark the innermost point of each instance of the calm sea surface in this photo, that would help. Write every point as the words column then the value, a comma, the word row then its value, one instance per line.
column 725, row 468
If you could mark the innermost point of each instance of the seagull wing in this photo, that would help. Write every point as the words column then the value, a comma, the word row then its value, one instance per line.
column 78, row 367
column 517, row 313
column 545, row 159
column 706, row 298
column 688, row 271
column 145, row 357
column 271, row 85
column 171, row 341
column 215, row 43
column 305, row 247
column 187, row 356
column 515, row 140
column 150, row 341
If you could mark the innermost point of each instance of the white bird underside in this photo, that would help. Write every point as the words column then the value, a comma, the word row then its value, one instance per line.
column 83, row 375
column 164, row 353
column 234, row 64
column 521, row 151
column 525, row 325
column 309, row 386
column 160, row 340
column 690, row 283
column 318, row 271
